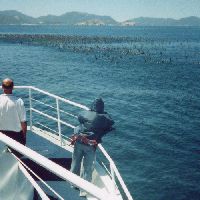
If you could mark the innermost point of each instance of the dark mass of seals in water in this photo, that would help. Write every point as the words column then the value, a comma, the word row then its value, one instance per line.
column 115, row 49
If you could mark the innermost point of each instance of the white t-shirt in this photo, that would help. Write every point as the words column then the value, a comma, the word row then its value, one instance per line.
column 12, row 113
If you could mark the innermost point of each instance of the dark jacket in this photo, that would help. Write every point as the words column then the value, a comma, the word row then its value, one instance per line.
column 95, row 122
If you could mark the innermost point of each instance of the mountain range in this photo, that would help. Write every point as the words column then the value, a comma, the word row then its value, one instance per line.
column 13, row 17
column 147, row 21
column 71, row 18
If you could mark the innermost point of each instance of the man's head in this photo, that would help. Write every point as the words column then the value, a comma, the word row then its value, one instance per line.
column 7, row 85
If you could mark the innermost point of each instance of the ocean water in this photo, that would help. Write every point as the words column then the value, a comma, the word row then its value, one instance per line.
column 149, row 80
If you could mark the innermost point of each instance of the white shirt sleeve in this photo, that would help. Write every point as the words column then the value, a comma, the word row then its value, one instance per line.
column 21, row 110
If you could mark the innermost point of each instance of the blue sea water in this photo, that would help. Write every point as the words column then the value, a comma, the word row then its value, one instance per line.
column 149, row 80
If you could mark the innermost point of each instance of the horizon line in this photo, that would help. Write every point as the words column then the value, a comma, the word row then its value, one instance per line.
column 102, row 15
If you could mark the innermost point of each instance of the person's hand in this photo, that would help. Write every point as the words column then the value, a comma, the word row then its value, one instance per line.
column 84, row 140
column 73, row 139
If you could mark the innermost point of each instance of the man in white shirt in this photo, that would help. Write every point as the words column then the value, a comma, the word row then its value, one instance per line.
column 12, row 113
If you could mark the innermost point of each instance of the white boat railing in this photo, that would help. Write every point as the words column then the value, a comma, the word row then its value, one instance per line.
column 57, row 169
column 34, row 183
column 28, row 172
column 113, row 169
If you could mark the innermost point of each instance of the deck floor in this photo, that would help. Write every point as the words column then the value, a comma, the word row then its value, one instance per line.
column 45, row 147
column 61, row 157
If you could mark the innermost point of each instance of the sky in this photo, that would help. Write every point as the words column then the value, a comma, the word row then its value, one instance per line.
column 119, row 10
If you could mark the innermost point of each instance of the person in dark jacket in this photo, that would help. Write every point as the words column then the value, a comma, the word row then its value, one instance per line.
column 94, row 124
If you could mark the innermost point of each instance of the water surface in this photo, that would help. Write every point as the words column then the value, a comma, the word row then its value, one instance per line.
column 149, row 79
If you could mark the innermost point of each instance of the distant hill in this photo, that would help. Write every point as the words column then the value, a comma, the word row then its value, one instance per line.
column 147, row 21
column 71, row 18
column 10, row 17
column 77, row 18
column 15, row 17
column 189, row 21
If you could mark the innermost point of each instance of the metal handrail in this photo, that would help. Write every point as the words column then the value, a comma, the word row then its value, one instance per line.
column 57, row 169
column 33, row 182
column 52, row 118
column 47, row 105
column 114, row 171
column 54, row 96
column 25, row 168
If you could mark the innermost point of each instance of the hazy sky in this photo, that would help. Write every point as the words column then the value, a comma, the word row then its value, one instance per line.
column 120, row 10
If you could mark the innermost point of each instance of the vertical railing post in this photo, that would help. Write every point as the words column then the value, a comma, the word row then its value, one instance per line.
column 30, row 104
column 59, row 126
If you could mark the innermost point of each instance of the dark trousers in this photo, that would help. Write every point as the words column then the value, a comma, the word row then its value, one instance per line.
column 18, row 136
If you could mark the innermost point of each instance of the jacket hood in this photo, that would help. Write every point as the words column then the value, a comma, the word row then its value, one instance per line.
column 98, row 105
